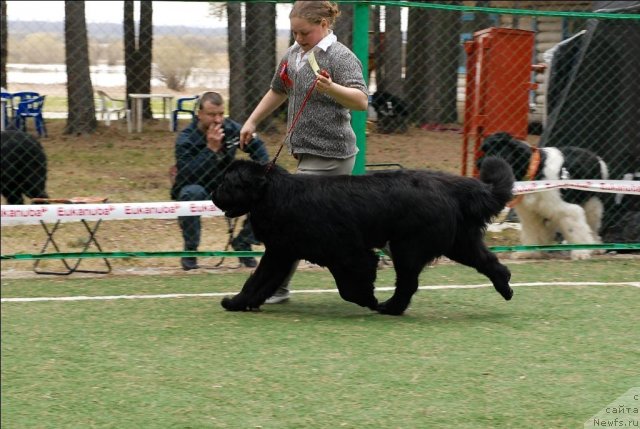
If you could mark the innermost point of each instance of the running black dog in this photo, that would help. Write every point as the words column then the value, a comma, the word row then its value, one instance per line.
column 23, row 167
column 337, row 221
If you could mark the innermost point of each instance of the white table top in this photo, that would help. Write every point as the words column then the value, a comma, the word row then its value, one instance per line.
column 151, row 95
column 136, row 108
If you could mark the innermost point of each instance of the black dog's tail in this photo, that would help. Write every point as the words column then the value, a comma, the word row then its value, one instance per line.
column 497, row 173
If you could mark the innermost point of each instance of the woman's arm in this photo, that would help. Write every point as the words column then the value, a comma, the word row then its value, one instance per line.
column 351, row 98
column 267, row 105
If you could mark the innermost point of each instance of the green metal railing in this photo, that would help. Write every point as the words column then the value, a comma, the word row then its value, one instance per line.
column 220, row 253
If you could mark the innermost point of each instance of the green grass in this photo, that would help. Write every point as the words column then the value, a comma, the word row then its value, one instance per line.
column 55, row 103
column 551, row 357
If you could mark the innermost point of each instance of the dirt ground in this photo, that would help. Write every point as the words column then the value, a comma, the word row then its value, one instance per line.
column 133, row 168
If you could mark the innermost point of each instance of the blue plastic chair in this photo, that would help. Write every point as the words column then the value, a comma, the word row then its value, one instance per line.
column 7, row 107
column 18, row 97
column 180, row 107
column 31, row 108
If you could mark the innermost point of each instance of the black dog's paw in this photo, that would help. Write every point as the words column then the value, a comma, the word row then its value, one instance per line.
column 390, row 308
column 254, row 303
column 507, row 293
column 233, row 304
column 229, row 304
column 236, row 303
column 503, row 287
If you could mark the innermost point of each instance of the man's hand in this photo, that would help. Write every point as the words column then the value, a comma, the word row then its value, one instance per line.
column 215, row 135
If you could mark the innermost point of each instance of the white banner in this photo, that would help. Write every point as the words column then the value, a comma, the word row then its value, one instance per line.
column 611, row 186
column 51, row 213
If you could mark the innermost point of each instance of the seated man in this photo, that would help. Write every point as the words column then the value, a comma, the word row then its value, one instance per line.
column 203, row 152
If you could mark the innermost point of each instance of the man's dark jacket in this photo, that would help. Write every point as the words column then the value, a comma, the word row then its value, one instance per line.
column 198, row 165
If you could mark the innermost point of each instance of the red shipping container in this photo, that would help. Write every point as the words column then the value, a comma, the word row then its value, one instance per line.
column 499, row 64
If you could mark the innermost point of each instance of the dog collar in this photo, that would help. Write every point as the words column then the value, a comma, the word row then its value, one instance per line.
column 534, row 165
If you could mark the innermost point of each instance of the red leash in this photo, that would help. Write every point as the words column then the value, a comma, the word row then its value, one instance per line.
column 295, row 119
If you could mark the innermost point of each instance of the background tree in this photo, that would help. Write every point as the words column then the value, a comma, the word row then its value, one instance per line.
column 138, row 52
column 432, row 62
column 389, row 56
column 82, row 113
column 443, row 33
column 237, row 73
column 174, row 58
column 28, row 49
column 3, row 45
column 482, row 20
column 376, row 34
column 259, row 54
column 344, row 25
column 416, row 71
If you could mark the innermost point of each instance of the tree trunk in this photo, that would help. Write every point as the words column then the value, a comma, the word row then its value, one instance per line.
column 82, row 112
column 376, row 59
column 138, row 53
column 416, row 81
column 237, row 102
column 3, row 45
column 392, row 53
column 260, row 53
column 344, row 25
column 482, row 20
column 432, row 62
column 442, row 76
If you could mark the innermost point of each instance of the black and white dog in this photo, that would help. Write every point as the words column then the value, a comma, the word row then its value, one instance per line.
column 577, row 215
column 338, row 221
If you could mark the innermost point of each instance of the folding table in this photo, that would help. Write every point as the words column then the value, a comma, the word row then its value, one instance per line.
column 91, row 230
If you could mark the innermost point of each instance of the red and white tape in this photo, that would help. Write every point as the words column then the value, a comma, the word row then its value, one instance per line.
column 33, row 214
column 610, row 186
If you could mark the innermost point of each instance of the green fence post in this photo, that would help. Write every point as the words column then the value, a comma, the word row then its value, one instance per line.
column 361, row 49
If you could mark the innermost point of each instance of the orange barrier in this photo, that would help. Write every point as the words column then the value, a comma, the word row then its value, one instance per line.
column 497, row 87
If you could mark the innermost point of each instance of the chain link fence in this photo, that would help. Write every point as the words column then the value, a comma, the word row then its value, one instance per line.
column 548, row 72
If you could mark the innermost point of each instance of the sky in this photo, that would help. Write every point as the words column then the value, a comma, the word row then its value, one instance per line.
column 183, row 13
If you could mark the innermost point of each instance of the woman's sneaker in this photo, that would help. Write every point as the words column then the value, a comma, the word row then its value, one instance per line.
column 281, row 295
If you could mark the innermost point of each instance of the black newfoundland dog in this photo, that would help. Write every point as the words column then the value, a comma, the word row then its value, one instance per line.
column 337, row 221
column 23, row 167
column 577, row 215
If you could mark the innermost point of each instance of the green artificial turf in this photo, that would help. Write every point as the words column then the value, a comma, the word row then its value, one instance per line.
column 464, row 358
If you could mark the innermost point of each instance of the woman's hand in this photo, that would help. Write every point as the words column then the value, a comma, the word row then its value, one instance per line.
column 351, row 98
column 247, row 133
column 324, row 83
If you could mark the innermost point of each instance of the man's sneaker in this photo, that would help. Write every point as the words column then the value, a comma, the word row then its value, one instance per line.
column 189, row 263
column 248, row 262
column 281, row 295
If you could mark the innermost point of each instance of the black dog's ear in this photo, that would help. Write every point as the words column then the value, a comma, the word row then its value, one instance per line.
column 251, row 176
column 260, row 185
